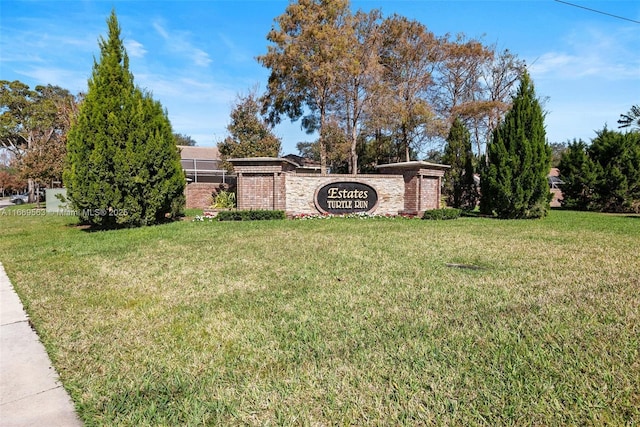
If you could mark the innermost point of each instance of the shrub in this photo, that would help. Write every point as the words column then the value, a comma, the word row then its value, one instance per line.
column 604, row 176
column 224, row 200
column 250, row 215
column 444, row 213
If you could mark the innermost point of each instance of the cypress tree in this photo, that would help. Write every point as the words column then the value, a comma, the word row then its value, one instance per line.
column 459, row 186
column 617, row 159
column 514, row 183
column 579, row 176
column 123, row 167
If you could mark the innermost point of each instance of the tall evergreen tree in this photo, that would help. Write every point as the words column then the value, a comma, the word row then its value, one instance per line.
column 579, row 175
column 123, row 167
column 617, row 159
column 514, row 183
column 459, row 186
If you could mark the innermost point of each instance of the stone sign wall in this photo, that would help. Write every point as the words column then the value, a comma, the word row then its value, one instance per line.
column 305, row 194
column 279, row 184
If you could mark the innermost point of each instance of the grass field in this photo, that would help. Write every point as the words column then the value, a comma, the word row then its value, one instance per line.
column 338, row 321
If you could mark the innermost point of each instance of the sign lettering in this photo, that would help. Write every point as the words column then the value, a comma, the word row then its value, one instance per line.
column 346, row 197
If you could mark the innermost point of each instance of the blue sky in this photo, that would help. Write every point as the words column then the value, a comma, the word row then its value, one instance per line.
column 197, row 56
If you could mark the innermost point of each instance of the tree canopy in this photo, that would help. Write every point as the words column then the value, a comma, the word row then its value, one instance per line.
column 306, row 48
column 459, row 185
column 386, row 83
column 185, row 140
column 631, row 119
column 579, row 177
column 33, row 128
column 603, row 176
column 249, row 134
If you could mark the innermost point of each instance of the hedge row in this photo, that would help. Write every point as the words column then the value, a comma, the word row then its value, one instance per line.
column 444, row 213
column 250, row 215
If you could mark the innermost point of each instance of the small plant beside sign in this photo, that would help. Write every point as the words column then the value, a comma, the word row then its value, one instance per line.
column 224, row 200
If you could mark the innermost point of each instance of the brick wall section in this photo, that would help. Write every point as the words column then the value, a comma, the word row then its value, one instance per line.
column 557, row 197
column 430, row 193
column 300, row 191
column 260, row 183
column 261, row 191
column 410, row 193
column 198, row 194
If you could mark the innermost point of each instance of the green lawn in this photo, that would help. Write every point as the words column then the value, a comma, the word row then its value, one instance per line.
column 338, row 321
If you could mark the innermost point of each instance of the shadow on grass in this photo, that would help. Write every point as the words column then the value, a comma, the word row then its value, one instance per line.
column 93, row 228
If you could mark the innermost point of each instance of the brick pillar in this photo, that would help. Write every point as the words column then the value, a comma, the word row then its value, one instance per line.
column 411, row 193
column 261, row 182
column 422, row 182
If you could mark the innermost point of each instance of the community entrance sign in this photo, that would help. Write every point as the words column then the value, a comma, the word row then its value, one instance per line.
column 271, row 183
column 345, row 197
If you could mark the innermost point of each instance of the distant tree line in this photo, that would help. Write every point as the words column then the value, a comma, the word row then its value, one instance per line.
column 605, row 175
column 34, row 125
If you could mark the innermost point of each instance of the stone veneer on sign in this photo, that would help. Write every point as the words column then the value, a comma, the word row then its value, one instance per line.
column 270, row 183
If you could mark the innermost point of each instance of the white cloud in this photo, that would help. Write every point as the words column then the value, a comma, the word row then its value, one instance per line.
column 590, row 52
column 69, row 79
column 198, row 107
column 186, row 88
column 47, row 52
column 575, row 66
column 551, row 62
column 135, row 49
column 201, row 58
column 160, row 29
column 177, row 42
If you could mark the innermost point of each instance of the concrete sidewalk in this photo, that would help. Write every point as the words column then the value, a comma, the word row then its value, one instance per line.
column 30, row 393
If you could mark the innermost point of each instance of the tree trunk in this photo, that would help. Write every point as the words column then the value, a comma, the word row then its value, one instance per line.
column 353, row 164
column 32, row 190
column 405, row 140
column 323, row 145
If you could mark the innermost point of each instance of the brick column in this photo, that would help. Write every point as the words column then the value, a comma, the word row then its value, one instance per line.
column 422, row 182
column 261, row 183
